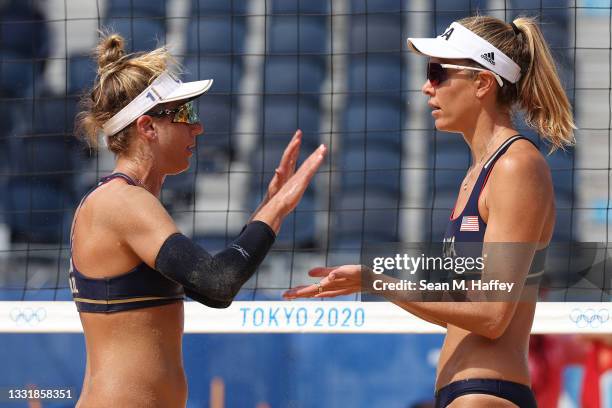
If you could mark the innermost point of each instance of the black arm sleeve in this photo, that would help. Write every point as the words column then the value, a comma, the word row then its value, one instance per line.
column 215, row 280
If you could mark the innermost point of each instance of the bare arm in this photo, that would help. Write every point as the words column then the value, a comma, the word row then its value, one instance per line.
column 520, row 192
column 150, row 233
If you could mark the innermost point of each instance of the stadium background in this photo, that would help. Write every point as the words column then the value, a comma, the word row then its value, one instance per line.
column 338, row 70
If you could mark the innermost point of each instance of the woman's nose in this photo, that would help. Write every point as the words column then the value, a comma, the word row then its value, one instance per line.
column 197, row 128
column 427, row 88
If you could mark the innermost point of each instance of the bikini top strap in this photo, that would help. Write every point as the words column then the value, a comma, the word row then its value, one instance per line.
column 117, row 175
column 102, row 181
column 489, row 164
column 504, row 148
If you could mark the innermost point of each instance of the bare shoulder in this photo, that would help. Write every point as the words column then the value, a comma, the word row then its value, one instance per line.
column 520, row 199
column 120, row 206
column 523, row 167
column 117, row 197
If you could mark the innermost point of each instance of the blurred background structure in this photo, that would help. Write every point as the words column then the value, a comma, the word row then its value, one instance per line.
column 340, row 71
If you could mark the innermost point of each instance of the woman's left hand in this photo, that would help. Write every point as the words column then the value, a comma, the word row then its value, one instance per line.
column 284, row 171
column 286, row 167
column 337, row 281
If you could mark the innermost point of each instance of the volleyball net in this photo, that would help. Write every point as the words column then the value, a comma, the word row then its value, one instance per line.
column 340, row 71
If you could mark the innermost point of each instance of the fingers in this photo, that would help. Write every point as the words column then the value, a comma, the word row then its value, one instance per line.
column 286, row 167
column 320, row 271
column 325, row 285
column 310, row 166
column 346, row 271
column 295, row 152
column 334, row 293
column 288, row 161
column 312, row 163
column 337, row 281
column 329, row 289
column 301, row 291
column 291, row 192
column 307, row 291
column 335, row 272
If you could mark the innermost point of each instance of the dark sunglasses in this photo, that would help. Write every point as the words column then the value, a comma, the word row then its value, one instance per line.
column 436, row 73
column 185, row 113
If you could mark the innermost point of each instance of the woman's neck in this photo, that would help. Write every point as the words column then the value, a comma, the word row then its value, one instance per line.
column 487, row 134
column 142, row 172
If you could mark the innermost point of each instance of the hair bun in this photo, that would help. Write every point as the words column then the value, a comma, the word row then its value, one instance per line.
column 110, row 49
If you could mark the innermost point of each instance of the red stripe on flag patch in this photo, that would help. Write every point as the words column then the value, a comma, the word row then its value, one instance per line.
column 469, row 223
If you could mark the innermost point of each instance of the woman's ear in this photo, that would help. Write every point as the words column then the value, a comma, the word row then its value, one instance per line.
column 485, row 83
column 145, row 128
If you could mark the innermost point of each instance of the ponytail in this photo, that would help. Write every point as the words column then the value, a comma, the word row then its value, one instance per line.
column 541, row 96
column 539, row 92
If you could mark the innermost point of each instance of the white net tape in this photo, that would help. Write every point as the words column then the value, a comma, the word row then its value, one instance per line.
column 302, row 317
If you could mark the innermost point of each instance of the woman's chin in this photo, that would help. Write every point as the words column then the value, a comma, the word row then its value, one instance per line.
column 443, row 126
column 179, row 170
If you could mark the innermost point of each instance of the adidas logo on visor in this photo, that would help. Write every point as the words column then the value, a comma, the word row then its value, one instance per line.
column 489, row 57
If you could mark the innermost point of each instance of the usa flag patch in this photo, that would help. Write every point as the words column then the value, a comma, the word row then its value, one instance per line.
column 469, row 223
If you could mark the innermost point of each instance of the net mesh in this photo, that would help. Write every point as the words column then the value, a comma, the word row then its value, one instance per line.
column 340, row 71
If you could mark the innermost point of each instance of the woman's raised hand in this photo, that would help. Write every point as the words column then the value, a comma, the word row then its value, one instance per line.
column 287, row 186
column 286, row 167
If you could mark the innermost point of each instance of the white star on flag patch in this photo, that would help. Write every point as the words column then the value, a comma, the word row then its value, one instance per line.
column 469, row 223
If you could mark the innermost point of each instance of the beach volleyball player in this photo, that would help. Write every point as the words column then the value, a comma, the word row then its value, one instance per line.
column 480, row 70
column 130, row 266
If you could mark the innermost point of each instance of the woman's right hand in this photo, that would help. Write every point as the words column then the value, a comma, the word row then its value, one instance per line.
column 335, row 281
column 291, row 192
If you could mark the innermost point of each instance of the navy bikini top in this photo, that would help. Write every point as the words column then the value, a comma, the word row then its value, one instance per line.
column 469, row 227
column 139, row 288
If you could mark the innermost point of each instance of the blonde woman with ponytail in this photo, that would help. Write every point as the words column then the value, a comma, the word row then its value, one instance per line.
column 131, row 267
column 481, row 70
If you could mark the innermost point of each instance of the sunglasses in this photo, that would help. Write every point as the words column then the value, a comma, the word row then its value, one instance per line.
column 185, row 113
column 436, row 73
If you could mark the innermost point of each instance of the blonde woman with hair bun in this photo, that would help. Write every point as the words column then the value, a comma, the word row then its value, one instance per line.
column 130, row 267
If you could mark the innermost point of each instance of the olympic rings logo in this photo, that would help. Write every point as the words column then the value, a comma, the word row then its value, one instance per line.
column 28, row 315
column 590, row 317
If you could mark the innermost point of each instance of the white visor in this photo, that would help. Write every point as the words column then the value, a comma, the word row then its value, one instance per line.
column 458, row 42
column 165, row 88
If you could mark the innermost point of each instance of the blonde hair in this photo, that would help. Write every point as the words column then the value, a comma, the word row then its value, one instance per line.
column 539, row 92
column 120, row 78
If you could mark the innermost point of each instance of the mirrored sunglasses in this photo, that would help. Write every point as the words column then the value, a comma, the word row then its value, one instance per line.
column 185, row 113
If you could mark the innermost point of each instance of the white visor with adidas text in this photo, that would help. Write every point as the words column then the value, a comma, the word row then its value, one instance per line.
column 458, row 42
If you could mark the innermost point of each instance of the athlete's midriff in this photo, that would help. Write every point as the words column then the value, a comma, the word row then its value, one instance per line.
column 134, row 358
column 466, row 355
